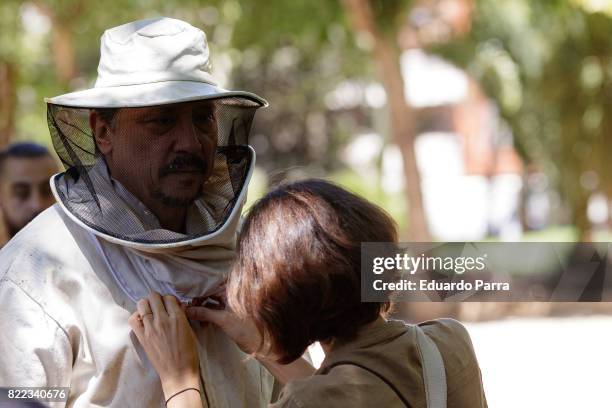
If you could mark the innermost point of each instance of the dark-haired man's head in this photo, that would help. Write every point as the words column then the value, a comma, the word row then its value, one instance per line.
column 25, row 169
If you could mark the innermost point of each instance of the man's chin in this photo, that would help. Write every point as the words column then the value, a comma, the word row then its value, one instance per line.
column 176, row 200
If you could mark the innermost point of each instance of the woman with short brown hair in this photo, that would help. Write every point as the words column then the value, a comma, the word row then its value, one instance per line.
column 297, row 275
column 296, row 281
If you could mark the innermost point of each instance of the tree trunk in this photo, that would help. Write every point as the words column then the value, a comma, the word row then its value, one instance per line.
column 62, row 41
column 63, row 52
column 7, row 103
column 386, row 57
column 581, row 219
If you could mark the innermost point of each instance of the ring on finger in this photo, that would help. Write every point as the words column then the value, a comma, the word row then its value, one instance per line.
column 144, row 307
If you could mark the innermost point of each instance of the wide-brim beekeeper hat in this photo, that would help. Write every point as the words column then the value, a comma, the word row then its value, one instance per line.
column 147, row 63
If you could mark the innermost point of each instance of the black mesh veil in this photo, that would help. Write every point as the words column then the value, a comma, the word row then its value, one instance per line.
column 161, row 174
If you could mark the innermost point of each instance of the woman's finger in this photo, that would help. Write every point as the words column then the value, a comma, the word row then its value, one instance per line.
column 172, row 305
column 137, row 325
column 157, row 305
column 144, row 307
column 145, row 314
column 135, row 321
column 205, row 314
column 243, row 332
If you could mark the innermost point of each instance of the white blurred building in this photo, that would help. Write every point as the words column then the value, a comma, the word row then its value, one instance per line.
column 471, row 176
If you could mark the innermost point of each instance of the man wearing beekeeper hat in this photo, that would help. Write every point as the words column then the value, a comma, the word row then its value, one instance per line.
column 157, row 165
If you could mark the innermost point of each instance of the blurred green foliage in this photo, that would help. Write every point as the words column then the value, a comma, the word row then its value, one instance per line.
column 547, row 64
column 549, row 67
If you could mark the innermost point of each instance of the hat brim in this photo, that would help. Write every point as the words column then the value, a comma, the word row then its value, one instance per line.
column 151, row 94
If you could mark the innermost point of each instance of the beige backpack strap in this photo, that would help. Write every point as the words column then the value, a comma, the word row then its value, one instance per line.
column 434, row 375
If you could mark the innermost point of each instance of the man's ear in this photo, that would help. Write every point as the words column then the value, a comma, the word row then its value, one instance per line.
column 101, row 132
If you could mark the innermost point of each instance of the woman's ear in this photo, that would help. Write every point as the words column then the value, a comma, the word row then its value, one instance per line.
column 101, row 132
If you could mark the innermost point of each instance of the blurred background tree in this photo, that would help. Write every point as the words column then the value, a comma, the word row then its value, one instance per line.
column 340, row 108
column 332, row 74
column 549, row 67
column 377, row 23
column 9, row 62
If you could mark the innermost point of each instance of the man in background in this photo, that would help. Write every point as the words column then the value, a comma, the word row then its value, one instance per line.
column 25, row 169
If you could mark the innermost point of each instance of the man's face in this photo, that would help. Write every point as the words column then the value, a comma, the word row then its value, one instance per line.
column 24, row 189
column 162, row 154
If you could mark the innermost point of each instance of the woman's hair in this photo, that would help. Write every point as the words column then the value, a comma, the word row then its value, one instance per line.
column 297, row 273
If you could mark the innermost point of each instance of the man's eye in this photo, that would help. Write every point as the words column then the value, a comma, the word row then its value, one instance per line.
column 161, row 121
column 205, row 118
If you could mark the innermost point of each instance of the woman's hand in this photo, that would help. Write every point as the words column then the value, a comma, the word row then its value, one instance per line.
column 247, row 337
column 164, row 332
column 242, row 332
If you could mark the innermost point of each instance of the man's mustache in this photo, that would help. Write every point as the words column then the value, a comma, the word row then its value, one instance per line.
column 185, row 163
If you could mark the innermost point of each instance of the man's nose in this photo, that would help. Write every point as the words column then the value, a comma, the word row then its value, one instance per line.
column 186, row 137
column 36, row 203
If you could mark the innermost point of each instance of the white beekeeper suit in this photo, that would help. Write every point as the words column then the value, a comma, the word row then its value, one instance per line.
column 70, row 279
